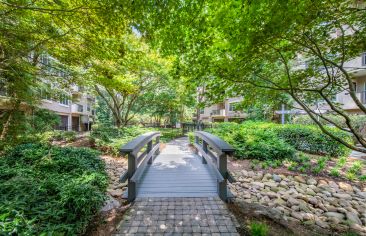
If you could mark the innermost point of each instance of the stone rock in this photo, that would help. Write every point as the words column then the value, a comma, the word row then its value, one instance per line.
column 110, row 204
column 283, row 184
column 276, row 178
column 308, row 216
column 345, row 186
column 297, row 215
column 279, row 202
column 333, row 184
column 353, row 218
column 257, row 185
column 321, row 223
column 336, row 215
column 271, row 195
column 358, row 228
column 300, row 179
column 322, row 184
column 361, row 194
column 311, row 181
column 342, row 196
column 313, row 201
column 116, row 193
column 267, row 176
column 292, row 201
column 270, row 184
column 311, row 192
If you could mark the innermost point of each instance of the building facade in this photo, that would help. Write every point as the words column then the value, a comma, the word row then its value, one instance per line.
column 222, row 112
column 76, row 109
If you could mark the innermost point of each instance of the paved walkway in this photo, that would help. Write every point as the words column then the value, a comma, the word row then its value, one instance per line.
column 178, row 216
column 166, row 204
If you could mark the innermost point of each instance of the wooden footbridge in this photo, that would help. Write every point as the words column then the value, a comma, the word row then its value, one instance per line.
column 178, row 170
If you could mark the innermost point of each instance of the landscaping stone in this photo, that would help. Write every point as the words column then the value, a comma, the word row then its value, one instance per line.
column 311, row 181
column 336, row 215
column 299, row 179
column 276, row 178
column 345, row 186
column 314, row 202
column 353, row 218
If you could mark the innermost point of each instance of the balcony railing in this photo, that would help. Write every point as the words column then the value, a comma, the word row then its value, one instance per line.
column 218, row 112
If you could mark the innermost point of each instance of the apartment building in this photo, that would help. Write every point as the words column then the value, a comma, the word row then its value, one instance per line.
column 222, row 112
column 75, row 108
column 357, row 69
column 74, row 105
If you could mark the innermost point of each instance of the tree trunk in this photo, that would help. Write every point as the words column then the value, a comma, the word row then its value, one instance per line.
column 6, row 127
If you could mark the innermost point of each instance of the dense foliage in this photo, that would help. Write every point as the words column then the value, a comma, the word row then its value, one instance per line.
column 264, row 141
column 252, row 141
column 358, row 121
column 27, row 127
column 309, row 138
column 110, row 139
column 50, row 190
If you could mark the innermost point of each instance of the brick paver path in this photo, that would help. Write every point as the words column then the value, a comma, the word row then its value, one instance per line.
column 178, row 216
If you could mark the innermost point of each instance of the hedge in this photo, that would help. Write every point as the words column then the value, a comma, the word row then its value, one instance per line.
column 50, row 190
column 310, row 139
column 261, row 140
column 251, row 141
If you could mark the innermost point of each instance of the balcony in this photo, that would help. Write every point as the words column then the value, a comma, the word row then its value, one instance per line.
column 218, row 112
column 357, row 66
column 348, row 103
column 77, row 108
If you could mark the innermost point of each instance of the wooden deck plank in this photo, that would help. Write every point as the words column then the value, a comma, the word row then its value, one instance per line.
column 177, row 172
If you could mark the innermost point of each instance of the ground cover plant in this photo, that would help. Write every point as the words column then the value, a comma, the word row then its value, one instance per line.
column 110, row 139
column 268, row 141
column 48, row 190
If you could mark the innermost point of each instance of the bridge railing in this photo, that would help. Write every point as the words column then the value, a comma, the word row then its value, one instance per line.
column 214, row 151
column 138, row 158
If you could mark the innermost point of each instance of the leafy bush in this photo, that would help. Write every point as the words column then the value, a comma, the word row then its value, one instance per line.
column 358, row 121
column 263, row 141
column 258, row 229
column 50, row 190
column 109, row 139
column 310, row 139
column 252, row 141
column 191, row 137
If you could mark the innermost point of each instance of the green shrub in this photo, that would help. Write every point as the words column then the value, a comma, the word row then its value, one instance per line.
column 50, row 190
column 258, row 229
column 358, row 121
column 191, row 137
column 310, row 139
column 250, row 140
column 110, row 139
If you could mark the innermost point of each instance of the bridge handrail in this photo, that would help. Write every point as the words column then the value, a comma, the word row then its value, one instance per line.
column 136, row 162
column 216, row 159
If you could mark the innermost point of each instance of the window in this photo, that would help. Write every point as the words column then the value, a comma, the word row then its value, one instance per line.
column 233, row 106
column 364, row 59
column 45, row 60
column 64, row 99
column 88, row 108
column 80, row 108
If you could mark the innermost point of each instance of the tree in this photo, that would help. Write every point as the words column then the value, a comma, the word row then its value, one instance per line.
column 131, row 83
column 257, row 47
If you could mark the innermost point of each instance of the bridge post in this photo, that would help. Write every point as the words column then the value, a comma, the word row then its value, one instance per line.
column 158, row 143
column 222, row 167
column 205, row 149
column 132, row 165
column 148, row 150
